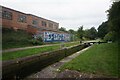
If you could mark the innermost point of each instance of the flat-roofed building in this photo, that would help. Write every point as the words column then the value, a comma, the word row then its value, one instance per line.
column 36, row 25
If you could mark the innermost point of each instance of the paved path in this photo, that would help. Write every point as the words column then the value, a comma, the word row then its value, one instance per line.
column 53, row 70
column 23, row 48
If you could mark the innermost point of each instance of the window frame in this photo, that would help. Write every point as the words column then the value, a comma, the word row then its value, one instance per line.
column 7, row 15
column 35, row 22
column 51, row 25
column 44, row 23
column 0, row 14
column 22, row 18
column 55, row 26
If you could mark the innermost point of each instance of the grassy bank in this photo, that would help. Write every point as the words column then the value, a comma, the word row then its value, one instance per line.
column 100, row 59
column 19, row 38
column 71, row 44
column 33, row 51
column 13, row 39
column 27, row 52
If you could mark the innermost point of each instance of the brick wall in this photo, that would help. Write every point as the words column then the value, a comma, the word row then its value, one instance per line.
column 29, row 24
column 14, row 23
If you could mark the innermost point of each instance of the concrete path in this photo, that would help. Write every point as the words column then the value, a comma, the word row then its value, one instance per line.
column 23, row 48
column 53, row 70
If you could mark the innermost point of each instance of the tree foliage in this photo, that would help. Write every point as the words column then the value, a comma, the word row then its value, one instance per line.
column 103, row 29
column 90, row 33
column 87, row 33
column 71, row 31
column 110, row 36
column 93, row 33
column 80, row 32
column 72, row 34
column 114, row 18
column 63, row 29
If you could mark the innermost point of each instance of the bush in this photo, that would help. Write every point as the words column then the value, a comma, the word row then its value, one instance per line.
column 110, row 36
column 12, row 38
column 37, row 41
column 19, row 38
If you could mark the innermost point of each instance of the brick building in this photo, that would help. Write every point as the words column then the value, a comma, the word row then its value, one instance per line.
column 33, row 24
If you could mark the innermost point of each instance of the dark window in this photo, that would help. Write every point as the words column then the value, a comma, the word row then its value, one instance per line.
column 50, row 25
column 44, row 23
column 22, row 18
column 7, row 15
column 55, row 27
column 35, row 22
column 0, row 14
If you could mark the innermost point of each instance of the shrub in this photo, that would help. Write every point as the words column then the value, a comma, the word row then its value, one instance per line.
column 36, row 41
column 12, row 38
column 110, row 36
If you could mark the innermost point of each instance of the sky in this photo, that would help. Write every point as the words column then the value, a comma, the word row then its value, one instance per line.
column 70, row 14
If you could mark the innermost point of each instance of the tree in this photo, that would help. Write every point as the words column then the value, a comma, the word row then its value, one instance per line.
column 90, row 33
column 114, row 18
column 63, row 29
column 72, row 34
column 87, row 33
column 110, row 36
column 80, row 32
column 71, row 31
column 103, row 29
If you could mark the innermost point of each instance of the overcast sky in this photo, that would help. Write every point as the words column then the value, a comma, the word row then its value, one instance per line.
column 68, row 13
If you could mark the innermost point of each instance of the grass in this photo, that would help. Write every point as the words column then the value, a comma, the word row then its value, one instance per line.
column 16, row 45
column 27, row 52
column 13, row 39
column 100, row 59
column 71, row 44
column 33, row 51
column 17, row 39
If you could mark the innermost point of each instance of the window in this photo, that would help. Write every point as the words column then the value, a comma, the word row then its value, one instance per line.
column 35, row 22
column 50, row 25
column 0, row 14
column 44, row 23
column 55, row 27
column 6, row 15
column 22, row 18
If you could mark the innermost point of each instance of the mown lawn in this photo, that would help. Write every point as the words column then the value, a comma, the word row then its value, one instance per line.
column 100, row 59
column 33, row 51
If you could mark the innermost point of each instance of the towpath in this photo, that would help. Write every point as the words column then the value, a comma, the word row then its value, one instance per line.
column 23, row 48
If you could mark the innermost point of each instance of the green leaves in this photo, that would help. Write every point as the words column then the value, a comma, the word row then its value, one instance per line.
column 114, row 18
column 103, row 29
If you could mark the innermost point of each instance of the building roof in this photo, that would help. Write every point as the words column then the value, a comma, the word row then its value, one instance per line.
column 42, row 18
column 13, row 10
column 28, row 14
